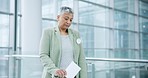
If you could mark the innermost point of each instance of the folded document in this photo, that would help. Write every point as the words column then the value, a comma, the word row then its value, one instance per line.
column 72, row 70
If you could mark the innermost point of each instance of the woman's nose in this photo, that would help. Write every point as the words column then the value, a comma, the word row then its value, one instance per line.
column 68, row 21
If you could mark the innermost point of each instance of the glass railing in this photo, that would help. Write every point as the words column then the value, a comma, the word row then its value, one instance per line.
column 29, row 66
column 117, row 68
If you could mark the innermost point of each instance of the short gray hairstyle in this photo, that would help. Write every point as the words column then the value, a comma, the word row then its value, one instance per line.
column 66, row 9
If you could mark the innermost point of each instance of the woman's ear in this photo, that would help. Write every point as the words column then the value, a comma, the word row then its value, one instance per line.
column 58, row 17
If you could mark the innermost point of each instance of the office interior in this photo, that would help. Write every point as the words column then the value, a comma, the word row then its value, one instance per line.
column 114, row 35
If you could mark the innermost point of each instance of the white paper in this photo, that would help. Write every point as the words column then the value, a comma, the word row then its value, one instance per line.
column 72, row 70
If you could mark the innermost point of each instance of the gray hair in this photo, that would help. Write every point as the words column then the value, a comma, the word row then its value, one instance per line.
column 66, row 9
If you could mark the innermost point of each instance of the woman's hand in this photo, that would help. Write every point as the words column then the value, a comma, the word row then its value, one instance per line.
column 61, row 73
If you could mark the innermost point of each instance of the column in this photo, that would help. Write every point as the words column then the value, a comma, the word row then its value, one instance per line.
column 31, row 26
column 30, row 37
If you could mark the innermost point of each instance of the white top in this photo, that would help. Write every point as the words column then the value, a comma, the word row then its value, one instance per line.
column 67, row 52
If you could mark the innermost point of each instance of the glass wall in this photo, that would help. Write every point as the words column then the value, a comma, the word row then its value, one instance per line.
column 4, row 37
column 4, row 30
column 125, row 5
column 109, row 29
column 143, row 25
column 5, row 5
column 8, row 66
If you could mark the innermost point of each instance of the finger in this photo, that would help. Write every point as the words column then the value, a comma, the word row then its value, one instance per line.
column 59, row 73
column 65, row 72
column 62, row 73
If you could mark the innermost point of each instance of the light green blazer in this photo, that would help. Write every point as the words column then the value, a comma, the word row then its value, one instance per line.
column 50, row 52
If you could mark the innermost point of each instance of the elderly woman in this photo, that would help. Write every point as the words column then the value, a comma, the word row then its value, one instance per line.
column 60, row 46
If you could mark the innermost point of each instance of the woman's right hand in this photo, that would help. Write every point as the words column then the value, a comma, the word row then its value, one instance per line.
column 61, row 73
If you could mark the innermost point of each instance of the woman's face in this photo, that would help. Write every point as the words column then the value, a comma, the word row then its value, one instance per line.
column 65, row 20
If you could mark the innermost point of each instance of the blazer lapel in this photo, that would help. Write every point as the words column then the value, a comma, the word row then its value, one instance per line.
column 57, row 32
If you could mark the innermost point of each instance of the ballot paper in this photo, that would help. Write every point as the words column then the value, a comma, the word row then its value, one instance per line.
column 72, row 70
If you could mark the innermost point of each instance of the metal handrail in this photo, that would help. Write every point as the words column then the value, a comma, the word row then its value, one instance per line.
column 87, row 58
column 22, row 56
column 117, row 60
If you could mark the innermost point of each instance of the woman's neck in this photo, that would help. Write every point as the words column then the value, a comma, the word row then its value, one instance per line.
column 63, row 31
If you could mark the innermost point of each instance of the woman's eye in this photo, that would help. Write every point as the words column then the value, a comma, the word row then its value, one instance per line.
column 66, row 19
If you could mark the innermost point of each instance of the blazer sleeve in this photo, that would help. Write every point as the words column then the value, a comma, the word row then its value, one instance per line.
column 82, row 62
column 45, row 53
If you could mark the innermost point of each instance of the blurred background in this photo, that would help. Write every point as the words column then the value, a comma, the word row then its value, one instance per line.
column 114, row 34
